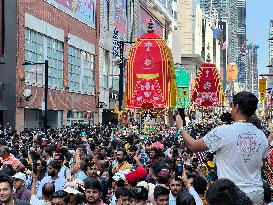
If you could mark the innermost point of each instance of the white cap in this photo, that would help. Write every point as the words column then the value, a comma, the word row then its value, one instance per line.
column 21, row 176
column 71, row 188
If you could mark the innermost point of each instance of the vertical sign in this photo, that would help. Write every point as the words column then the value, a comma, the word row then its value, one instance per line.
column 262, row 85
column 120, row 17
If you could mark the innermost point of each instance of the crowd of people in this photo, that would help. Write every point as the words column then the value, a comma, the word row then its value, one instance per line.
column 225, row 160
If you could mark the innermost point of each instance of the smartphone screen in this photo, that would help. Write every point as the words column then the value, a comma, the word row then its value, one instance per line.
column 181, row 112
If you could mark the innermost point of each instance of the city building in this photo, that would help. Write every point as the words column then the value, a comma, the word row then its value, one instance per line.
column 8, row 43
column 232, row 29
column 253, row 78
column 228, row 22
column 270, row 60
column 241, row 33
column 68, row 39
column 187, row 44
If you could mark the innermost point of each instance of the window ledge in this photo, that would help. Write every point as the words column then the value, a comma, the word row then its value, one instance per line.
column 81, row 93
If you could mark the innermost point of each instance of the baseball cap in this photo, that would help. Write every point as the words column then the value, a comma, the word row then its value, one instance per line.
column 71, row 188
column 21, row 176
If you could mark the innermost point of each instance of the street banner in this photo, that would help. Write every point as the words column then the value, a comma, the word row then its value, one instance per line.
column 232, row 72
column 262, row 85
column 120, row 17
column 84, row 11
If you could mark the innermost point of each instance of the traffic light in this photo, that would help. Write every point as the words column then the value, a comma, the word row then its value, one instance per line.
column 185, row 93
column 262, row 97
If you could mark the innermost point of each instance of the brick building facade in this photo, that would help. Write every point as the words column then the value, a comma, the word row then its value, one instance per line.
column 71, row 46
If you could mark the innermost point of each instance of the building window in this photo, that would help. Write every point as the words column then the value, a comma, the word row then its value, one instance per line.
column 80, row 71
column 39, row 47
column 34, row 52
column 170, row 5
column 106, row 13
column 55, row 62
column 105, row 71
column 175, row 15
column 74, row 69
column 115, row 79
column 88, row 85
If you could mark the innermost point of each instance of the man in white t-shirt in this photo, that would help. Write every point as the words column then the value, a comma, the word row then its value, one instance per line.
column 240, row 147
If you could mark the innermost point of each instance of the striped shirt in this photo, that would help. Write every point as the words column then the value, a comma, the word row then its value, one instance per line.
column 10, row 160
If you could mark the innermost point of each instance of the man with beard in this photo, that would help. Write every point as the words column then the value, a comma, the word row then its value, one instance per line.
column 90, row 169
column 53, row 169
column 122, row 163
column 47, row 154
column 93, row 192
column 176, row 186
column 138, row 156
column 240, row 147
column 6, row 193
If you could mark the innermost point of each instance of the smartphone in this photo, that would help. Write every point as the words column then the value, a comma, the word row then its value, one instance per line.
column 175, row 113
column 179, row 169
column 181, row 112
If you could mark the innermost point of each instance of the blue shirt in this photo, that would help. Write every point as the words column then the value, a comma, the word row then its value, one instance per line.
column 172, row 199
column 81, row 175
column 59, row 184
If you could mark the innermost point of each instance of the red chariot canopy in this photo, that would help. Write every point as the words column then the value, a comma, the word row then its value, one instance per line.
column 208, row 87
column 150, row 77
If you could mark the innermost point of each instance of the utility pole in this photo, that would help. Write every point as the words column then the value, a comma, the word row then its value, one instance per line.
column 121, row 71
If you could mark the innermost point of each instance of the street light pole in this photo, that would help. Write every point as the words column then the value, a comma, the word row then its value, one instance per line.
column 121, row 48
column 46, row 93
column 121, row 71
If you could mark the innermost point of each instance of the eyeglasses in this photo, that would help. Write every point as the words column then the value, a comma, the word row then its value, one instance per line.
column 38, row 164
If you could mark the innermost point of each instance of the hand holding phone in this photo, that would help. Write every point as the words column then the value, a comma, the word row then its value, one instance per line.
column 175, row 115
column 179, row 122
